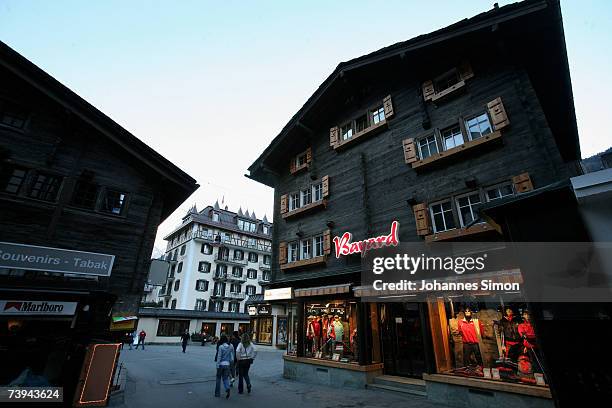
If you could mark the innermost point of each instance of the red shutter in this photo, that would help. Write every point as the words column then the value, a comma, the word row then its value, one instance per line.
column 388, row 106
column 421, row 215
column 309, row 155
column 522, row 183
column 410, row 155
column 327, row 242
column 498, row 114
column 465, row 70
column 325, row 182
column 428, row 90
column 333, row 136
column 282, row 253
column 283, row 204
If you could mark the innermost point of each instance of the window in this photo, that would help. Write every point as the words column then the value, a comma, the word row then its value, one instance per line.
column 306, row 249
column 267, row 259
column 293, row 251
column 223, row 254
column 200, row 304
column 499, row 191
column 204, row 267
column 11, row 178
column 247, row 226
column 250, row 290
column 206, row 249
column 177, row 284
column 12, row 115
column 172, row 270
column 253, row 257
column 378, row 115
column 451, row 137
column 252, row 273
column 266, row 230
column 237, row 271
column 442, row 216
column 318, row 191
column 330, row 316
column 318, row 245
column 294, row 201
column 218, row 306
column 179, row 267
column 306, row 196
column 361, row 123
column 113, row 202
column 235, row 288
column 266, row 276
column 346, row 131
column 201, row 285
column 300, row 159
column 45, row 187
column 427, row 146
column 85, row 195
column 238, row 254
column 221, row 270
column 252, row 243
column 215, row 216
column 446, row 80
column 171, row 328
column 233, row 307
column 219, row 289
column 467, row 207
column 478, row 127
column 183, row 249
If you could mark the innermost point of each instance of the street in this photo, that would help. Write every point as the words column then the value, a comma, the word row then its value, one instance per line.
column 162, row 376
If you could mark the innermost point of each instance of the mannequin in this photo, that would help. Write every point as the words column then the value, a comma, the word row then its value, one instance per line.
column 508, row 327
column 316, row 327
column 309, row 335
column 525, row 330
column 470, row 329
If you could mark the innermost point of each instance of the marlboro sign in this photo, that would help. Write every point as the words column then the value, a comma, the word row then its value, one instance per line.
column 345, row 246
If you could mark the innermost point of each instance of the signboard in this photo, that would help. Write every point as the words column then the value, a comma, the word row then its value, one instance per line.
column 38, row 258
column 252, row 310
column 278, row 294
column 346, row 246
column 37, row 307
column 158, row 272
column 264, row 310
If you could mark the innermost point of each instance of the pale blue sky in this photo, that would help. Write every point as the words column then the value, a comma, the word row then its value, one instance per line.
column 209, row 83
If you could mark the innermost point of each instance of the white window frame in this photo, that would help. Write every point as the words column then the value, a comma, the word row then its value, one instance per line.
column 250, row 274
column 349, row 132
column 293, row 251
column 306, row 248
column 318, row 246
column 201, row 285
column 201, row 303
column 433, row 219
column 435, row 142
column 377, row 115
column 305, row 196
column 294, row 201
column 454, row 137
column 317, row 192
column 467, row 126
column 234, row 307
column 497, row 187
column 470, row 206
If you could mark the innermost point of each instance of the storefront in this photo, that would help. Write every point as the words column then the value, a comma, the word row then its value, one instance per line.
column 262, row 323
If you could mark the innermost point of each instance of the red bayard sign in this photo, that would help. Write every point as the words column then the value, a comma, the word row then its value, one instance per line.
column 344, row 246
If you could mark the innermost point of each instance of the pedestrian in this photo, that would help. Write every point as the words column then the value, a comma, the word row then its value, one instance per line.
column 141, row 339
column 130, row 339
column 245, row 354
column 235, row 341
column 224, row 358
column 184, row 339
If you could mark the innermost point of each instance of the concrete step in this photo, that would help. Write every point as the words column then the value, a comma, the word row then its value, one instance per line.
column 401, row 390
column 408, row 384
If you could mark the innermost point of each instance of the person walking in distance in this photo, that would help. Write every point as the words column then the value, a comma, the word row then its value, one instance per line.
column 224, row 359
column 234, row 341
column 245, row 354
column 141, row 339
column 184, row 339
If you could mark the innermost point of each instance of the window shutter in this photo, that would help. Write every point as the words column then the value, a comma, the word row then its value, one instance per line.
column 325, row 182
column 428, row 90
column 388, row 106
column 522, row 183
column 498, row 114
column 333, row 136
column 309, row 155
column 327, row 242
column 283, row 204
column 410, row 155
column 465, row 70
column 421, row 216
column 282, row 253
column 292, row 165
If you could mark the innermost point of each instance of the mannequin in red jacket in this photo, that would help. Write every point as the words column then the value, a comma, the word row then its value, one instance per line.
column 316, row 328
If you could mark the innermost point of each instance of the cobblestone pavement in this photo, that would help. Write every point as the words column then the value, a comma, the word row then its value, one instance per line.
column 162, row 376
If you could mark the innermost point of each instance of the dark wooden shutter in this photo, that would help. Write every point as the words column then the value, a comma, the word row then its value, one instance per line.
column 283, row 204
column 327, row 242
column 522, row 183
column 309, row 155
column 410, row 155
column 465, row 70
column 282, row 253
column 333, row 136
column 325, row 182
column 421, row 215
column 498, row 114
column 428, row 90
column 292, row 165
column 388, row 106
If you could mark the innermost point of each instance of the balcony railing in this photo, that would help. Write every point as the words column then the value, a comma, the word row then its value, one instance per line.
column 233, row 242
column 233, row 261
column 217, row 294
column 235, row 296
column 264, row 266
column 236, row 278
column 220, row 276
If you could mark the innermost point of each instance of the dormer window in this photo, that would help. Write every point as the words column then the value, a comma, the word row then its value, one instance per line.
column 215, row 216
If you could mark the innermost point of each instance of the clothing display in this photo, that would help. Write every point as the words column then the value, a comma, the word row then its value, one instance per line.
column 330, row 330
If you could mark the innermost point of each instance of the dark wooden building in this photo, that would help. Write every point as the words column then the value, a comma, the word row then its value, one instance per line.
column 423, row 132
column 73, row 183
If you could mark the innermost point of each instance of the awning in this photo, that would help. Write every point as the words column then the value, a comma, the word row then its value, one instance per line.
column 323, row 290
column 123, row 323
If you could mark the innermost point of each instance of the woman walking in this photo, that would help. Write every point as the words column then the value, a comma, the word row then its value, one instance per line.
column 245, row 354
column 224, row 358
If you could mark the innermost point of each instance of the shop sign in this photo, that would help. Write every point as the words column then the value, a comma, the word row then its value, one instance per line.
column 264, row 310
column 278, row 294
column 37, row 307
column 344, row 245
column 38, row 258
column 252, row 310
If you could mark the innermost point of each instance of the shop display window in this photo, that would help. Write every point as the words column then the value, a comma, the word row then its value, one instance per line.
column 265, row 330
column 487, row 340
column 331, row 330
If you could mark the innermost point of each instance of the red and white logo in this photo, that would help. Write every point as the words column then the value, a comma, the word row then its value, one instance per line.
column 344, row 246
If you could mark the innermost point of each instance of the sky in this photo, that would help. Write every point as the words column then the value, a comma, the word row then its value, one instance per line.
column 209, row 84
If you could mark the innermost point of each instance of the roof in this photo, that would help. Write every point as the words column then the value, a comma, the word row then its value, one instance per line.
column 178, row 184
column 486, row 20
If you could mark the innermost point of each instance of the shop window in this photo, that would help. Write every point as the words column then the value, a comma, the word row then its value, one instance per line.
column 45, row 187
column 200, row 304
column 252, row 273
column 201, row 285
column 264, row 330
column 204, row 267
column 171, row 328
column 467, row 208
column 442, row 216
column 499, row 191
column 253, row 257
column 331, row 330
column 85, row 195
column 113, row 202
column 206, row 249
column 12, row 178
column 478, row 126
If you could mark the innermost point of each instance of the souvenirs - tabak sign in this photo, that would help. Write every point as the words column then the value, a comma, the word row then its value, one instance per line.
column 346, row 246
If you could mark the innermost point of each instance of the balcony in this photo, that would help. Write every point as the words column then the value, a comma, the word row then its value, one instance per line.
column 220, row 276
column 232, row 242
column 217, row 295
column 236, row 278
column 232, row 261
column 263, row 266
column 235, row 296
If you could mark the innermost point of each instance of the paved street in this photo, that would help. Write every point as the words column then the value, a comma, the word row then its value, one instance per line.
column 162, row 376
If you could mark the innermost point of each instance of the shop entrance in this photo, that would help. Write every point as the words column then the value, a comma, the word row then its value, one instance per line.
column 401, row 329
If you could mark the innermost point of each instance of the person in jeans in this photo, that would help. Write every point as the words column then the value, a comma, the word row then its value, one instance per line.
column 224, row 359
column 234, row 341
column 245, row 354
column 141, row 339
